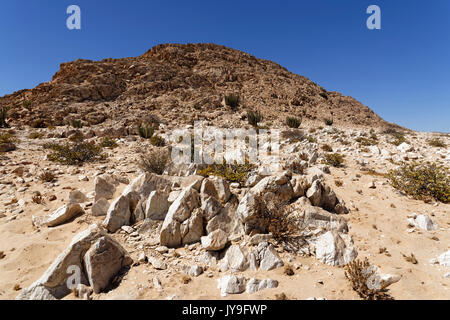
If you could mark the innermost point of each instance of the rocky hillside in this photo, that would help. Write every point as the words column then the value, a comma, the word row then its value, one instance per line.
column 181, row 83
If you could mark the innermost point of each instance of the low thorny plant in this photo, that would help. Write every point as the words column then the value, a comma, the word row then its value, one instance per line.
column 357, row 272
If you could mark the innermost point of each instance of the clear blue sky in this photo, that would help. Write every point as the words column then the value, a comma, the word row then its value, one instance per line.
column 402, row 71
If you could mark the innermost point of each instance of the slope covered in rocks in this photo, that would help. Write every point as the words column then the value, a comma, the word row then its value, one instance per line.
column 181, row 83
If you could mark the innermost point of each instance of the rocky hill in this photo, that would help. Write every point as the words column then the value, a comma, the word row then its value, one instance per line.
column 181, row 83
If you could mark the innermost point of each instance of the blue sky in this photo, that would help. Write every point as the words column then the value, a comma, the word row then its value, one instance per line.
column 402, row 71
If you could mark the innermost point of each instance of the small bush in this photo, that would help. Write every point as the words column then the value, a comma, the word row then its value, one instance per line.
column 157, row 141
column 230, row 172
column 334, row 159
column 422, row 181
column 399, row 138
column 366, row 141
column 324, row 95
column 47, row 176
column 311, row 139
column 327, row 148
column 358, row 273
column 6, row 138
column 232, row 101
column 77, row 123
column 108, row 142
column 27, row 104
column 74, row 153
column 145, row 131
column 328, row 121
column 36, row 135
column 293, row 122
column 154, row 161
column 254, row 117
column 3, row 114
column 438, row 143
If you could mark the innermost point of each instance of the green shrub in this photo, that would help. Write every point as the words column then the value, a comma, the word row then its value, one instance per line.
column 438, row 143
column 157, row 141
column 232, row 101
column 77, row 123
column 27, row 104
column 366, row 141
column 293, row 122
column 399, row 138
column 254, row 117
column 74, row 153
column 3, row 114
column 36, row 135
column 108, row 142
column 311, row 139
column 334, row 159
column 230, row 172
column 145, row 131
column 422, row 181
column 328, row 121
column 154, row 161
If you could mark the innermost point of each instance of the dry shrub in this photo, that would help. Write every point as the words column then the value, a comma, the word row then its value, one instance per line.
column 293, row 122
column 327, row 148
column 37, row 199
column 411, row 258
column 232, row 101
column 185, row 279
column 154, row 161
column 438, row 143
column 75, row 153
column 334, row 159
column 288, row 270
column 357, row 272
column 275, row 217
column 281, row 296
column 422, row 181
column 230, row 172
column 47, row 176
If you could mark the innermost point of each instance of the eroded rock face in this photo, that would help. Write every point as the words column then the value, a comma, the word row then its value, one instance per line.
column 57, row 280
column 103, row 261
column 103, row 188
column 335, row 249
column 269, row 259
column 157, row 205
column 118, row 214
column 217, row 188
column 60, row 216
column 172, row 233
column 100, row 207
column 215, row 240
column 231, row 285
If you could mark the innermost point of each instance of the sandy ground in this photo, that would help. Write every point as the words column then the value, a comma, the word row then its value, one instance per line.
column 378, row 219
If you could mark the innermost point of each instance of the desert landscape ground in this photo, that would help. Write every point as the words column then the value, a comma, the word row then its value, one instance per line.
column 86, row 181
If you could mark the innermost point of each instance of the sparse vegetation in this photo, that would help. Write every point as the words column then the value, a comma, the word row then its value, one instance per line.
column 334, row 159
column 37, row 198
column 358, row 273
column 47, row 176
column 145, row 131
column 366, row 141
column 27, row 104
column 328, row 121
column 411, row 258
column 230, row 172
column 3, row 114
column 293, row 122
column 108, row 142
column 36, row 135
column 327, row 148
column 157, row 141
column 311, row 139
column 154, row 161
column 74, row 153
column 288, row 270
column 232, row 101
column 438, row 143
column 77, row 123
column 422, row 181
column 254, row 117
column 398, row 138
